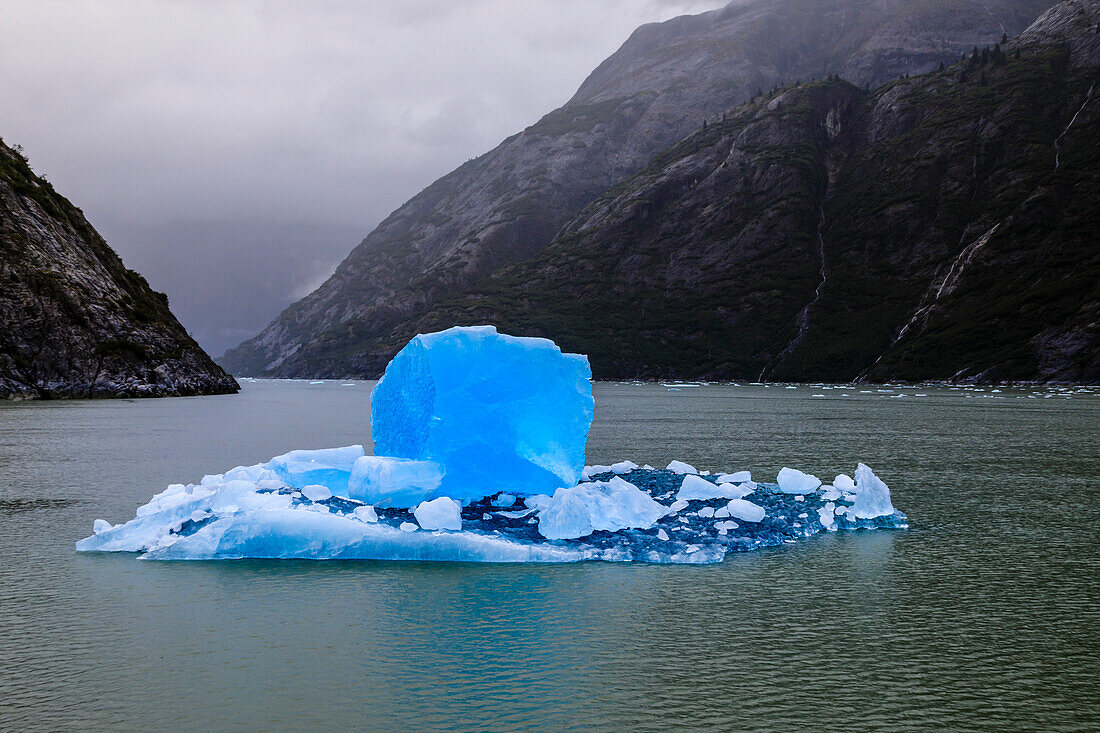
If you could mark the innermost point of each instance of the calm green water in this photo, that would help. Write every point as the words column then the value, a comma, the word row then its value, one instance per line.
column 983, row 616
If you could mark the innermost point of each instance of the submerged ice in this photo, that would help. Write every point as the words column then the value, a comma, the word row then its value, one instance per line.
column 481, row 440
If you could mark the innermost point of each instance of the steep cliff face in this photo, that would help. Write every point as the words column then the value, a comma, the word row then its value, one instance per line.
column 74, row 322
column 507, row 205
column 945, row 226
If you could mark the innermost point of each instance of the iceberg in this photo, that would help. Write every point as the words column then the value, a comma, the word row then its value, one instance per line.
column 471, row 424
column 497, row 412
column 614, row 520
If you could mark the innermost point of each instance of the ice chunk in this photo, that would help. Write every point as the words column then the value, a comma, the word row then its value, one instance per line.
column 697, row 488
column 408, row 527
column 366, row 514
column 504, row 500
column 662, row 535
column 329, row 467
column 680, row 467
column 441, row 513
column 604, row 505
column 844, row 482
column 739, row 477
column 872, row 495
column 726, row 526
column 745, row 510
column 393, row 482
column 316, row 492
column 792, row 481
column 678, row 505
column 499, row 413
column 707, row 511
column 100, row 526
column 623, row 467
column 517, row 514
column 827, row 517
column 538, row 501
column 590, row 471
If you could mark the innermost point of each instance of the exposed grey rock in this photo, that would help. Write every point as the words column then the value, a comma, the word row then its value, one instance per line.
column 666, row 80
column 943, row 226
column 74, row 322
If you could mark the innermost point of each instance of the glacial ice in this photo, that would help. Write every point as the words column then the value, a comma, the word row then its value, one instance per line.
column 872, row 495
column 697, row 488
column 475, row 424
column 329, row 467
column 600, row 505
column 745, row 510
column 497, row 412
column 613, row 518
column 395, row 482
column 793, row 481
column 441, row 513
column 680, row 467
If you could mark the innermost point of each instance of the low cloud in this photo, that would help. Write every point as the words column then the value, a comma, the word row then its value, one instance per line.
column 324, row 112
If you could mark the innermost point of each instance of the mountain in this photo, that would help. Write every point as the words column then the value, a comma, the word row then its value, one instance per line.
column 507, row 205
column 944, row 226
column 74, row 322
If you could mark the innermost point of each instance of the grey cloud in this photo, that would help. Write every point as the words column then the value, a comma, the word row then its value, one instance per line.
column 326, row 114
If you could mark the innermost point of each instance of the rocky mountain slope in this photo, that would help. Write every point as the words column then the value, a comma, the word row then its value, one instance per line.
column 74, row 322
column 944, row 226
column 507, row 205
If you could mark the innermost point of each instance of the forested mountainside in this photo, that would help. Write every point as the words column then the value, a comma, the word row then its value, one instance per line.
column 74, row 321
column 667, row 79
column 944, row 226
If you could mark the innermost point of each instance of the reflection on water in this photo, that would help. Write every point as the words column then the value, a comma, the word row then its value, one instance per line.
column 983, row 615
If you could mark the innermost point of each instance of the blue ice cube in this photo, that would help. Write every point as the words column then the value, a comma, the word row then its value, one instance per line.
column 499, row 413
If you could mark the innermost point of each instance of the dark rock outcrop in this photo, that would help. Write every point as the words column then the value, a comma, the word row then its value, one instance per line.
column 507, row 205
column 74, row 322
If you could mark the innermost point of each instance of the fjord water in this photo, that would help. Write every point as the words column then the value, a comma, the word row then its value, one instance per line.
column 982, row 615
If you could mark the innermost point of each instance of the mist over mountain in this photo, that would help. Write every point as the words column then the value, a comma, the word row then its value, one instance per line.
column 507, row 205
column 226, row 280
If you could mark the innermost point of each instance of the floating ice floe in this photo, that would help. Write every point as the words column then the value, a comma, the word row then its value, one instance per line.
column 486, row 470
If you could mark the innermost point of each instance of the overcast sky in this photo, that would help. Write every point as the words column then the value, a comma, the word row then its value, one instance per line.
column 331, row 112
column 256, row 113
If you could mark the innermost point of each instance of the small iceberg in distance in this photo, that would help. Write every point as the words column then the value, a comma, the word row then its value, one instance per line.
column 485, row 436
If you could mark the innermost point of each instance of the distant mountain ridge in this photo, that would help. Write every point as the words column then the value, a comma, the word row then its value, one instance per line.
column 74, row 321
column 667, row 79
